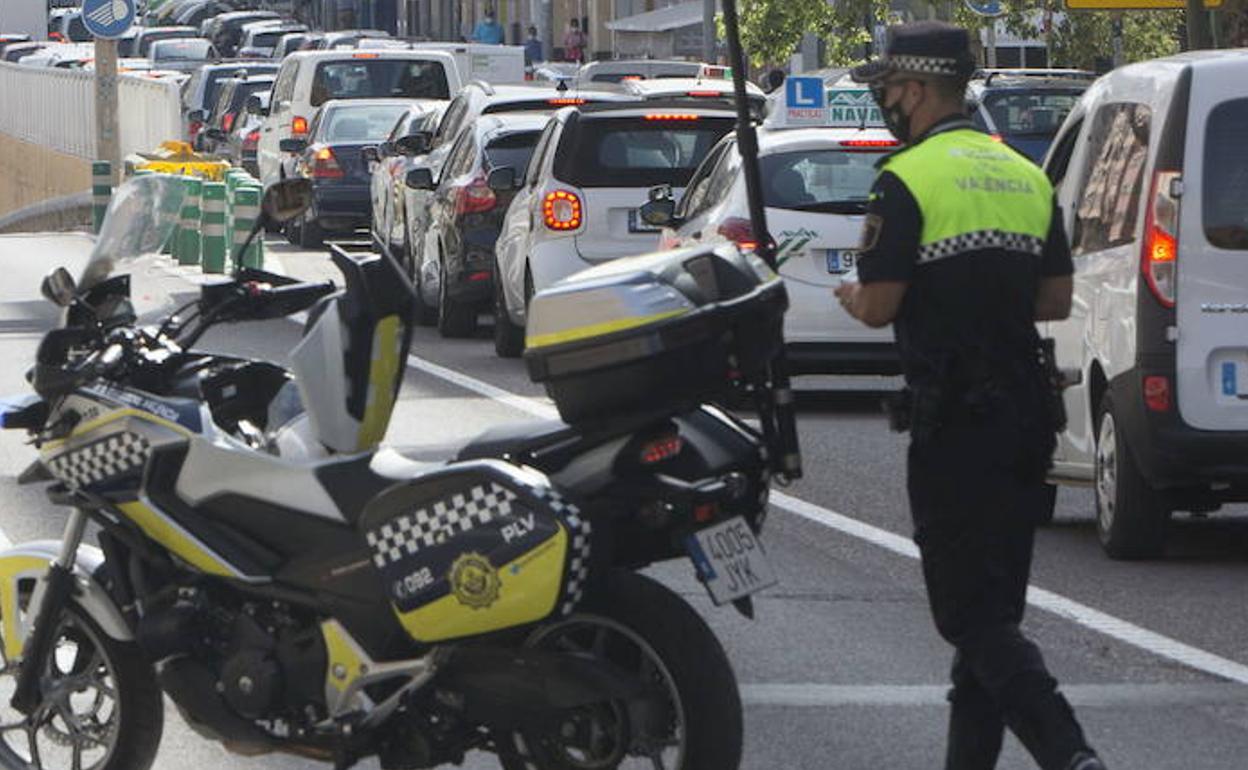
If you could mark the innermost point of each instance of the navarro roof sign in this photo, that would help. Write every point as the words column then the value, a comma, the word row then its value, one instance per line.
column 853, row 108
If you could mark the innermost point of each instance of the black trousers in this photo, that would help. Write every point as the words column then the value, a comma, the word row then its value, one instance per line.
column 975, row 520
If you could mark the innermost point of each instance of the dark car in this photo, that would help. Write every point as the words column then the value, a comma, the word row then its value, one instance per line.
column 395, row 159
column 200, row 93
column 260, row 41
column 226, row 30
column 1024, row 110
column 228, row 109
column 195, row 14
column 467, row 208
column 337, row 155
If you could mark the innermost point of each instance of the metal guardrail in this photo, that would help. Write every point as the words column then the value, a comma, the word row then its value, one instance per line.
column 55, row 108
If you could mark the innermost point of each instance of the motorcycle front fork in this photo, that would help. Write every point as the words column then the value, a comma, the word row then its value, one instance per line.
column 57, row 588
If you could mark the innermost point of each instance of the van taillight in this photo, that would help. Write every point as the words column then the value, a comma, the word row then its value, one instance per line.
column 1159, row 255
column 561, row 210
column 298, row 125
column 1157, row 393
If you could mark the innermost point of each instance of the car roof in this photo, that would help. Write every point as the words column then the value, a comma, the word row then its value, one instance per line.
column 511, row 121
column 1014, row 83
column 772, row 140
column 379, row 53
column 165, row 30
column 344, row 103
column 660, row 86
column 630, row 109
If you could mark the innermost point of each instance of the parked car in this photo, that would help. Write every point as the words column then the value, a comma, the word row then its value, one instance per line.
column 403, row 150
column 15, row 52
column 260, row 40
column 465, row 216
column 68, row 27
column 345, row 38
column 200, row 93
column 56, row 54
column 816, row 182
column 308, row 79
column 245, row 137
column 149, row 35
column 291, row 42
column 717, row 89
column 333, row 156
column 1024, row 109
column 184, row 55
column 1151, row 172
column 226, row 29
column 591, row 170
column 199, row 14
column 229, row 109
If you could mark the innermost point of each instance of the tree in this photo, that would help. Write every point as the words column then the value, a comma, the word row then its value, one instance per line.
column 771, row 30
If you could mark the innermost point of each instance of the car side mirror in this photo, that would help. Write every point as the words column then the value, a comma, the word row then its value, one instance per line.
column 659, row 212
column 370, row 154
column 215, row 133
column 660, row 192
column 196, row 116
column 502, row 179
column 287, row 199
column 293, row 145
column 419, row 179
column 256, row 107
column 415, row 144
column 58, row 287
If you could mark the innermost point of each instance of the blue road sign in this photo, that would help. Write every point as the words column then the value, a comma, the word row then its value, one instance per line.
column 985, row 7
column 107, row 19
column 804, row 93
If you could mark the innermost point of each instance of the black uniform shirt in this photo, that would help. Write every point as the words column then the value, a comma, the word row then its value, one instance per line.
column 966, row 312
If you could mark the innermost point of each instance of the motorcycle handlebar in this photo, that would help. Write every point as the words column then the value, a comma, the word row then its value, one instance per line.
column 268, row 302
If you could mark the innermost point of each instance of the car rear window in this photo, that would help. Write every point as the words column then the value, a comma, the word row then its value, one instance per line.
column 1225, row 194
column 266, row 39
column 365, row 123
column 514, row 150
column 826, row 181
column 635, row 151
column 182, row 50
column 360, row 78
column 216, row 76
column 1029, row 112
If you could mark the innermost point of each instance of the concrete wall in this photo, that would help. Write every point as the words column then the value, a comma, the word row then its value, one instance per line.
column 30, row 174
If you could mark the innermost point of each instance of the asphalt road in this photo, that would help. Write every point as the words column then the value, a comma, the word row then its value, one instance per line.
column 841, row 667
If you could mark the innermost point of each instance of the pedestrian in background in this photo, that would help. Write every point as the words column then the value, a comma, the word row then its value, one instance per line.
column 488, row 30
column 775, row 79
column 532, row 48
column 574, row 42
column 963, row 251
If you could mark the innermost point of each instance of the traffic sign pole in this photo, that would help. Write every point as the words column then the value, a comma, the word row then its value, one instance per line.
column 107, row 122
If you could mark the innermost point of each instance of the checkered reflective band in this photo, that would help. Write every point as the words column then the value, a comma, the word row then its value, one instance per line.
column 978, row 241
column 407, row 534
column 110, row 458
column 578, row 564
column 928, row 65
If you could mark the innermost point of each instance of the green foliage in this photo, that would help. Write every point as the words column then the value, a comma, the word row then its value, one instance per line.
column 771, row 30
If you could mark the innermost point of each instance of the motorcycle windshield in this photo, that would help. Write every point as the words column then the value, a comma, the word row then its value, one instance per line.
column 140, row 219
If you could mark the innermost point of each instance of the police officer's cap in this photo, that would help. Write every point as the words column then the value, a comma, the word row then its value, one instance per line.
column 921, row 48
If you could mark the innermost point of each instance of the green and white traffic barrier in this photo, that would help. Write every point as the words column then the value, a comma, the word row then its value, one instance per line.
column 212, row 227
column 188, row 249
column 246, row 212
column 101, row 192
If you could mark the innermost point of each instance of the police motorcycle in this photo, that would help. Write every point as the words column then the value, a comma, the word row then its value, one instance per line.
column 295, row 587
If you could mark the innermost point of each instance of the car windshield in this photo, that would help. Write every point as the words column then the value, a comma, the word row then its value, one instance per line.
column 182, row 50
column 370, row 78
column 266, row 39
column 638, row 151
column 364, row 123
column 512, row 150
column 145, row 46
column 1224, row 199
column 1028, row 112
column 827, row 181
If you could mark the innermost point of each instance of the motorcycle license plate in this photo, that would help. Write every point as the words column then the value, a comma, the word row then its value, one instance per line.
column 730, row 560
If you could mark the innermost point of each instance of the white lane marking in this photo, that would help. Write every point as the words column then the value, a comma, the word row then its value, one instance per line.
column 1080, row 614
column 1150, row 695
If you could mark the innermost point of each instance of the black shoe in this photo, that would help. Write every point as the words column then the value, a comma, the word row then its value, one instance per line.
column 1086, row 761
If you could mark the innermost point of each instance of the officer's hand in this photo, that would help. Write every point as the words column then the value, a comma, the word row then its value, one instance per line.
column 846, row 292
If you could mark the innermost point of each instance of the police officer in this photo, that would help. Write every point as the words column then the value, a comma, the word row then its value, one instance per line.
column 963, row 250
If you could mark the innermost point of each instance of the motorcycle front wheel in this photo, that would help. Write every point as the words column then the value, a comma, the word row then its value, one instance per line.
column 694, row 721
column 101, row 707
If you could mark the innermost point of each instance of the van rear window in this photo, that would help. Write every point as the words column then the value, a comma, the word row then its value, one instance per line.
column 359, row 78
column 635, row 152
column 1225, row 194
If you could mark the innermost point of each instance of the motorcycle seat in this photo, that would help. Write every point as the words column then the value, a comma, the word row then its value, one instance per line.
column 513, row 438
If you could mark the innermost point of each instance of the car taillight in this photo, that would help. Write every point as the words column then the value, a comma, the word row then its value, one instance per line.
column 660, row 449
column 740, row 232
column 298, row 125
column 1157, row 393
column 325, row 165
column 868, row 144
column 252, row 140
column 705, row 94
column 561, row 210
column 566, row 101
column 227, row 122
column 195, row 128
column 671, row 116
column 1160, row 254
column 474, row 198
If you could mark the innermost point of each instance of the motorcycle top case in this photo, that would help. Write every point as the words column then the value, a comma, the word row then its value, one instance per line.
column 477, row 547
column 654, row 331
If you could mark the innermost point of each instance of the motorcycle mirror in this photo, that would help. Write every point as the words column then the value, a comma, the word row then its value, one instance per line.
column 659, row 212
column 59, row 287
column 287, row 199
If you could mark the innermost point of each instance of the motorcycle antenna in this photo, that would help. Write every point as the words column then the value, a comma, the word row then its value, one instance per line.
column 777, row 411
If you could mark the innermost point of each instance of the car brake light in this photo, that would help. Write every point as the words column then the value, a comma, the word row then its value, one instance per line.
column 705, row 94
column 1157, row 393
column 227, row 122
column 627, row 78
column 365, row 56
column 195, row 128
column 1160, row 254
column 869, row 143
column 298, row 125
column 251, row 140
column 561, row 210
column 671, row 116
column 474, row 197
column 740, row 232
column 660, row 449
column 566, row 101
column 325, row 165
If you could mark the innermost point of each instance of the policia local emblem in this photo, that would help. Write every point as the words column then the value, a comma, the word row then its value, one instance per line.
column 474, row 581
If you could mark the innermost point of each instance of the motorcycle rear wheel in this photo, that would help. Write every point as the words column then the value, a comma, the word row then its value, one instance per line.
column 640, row 625
column 101, row 706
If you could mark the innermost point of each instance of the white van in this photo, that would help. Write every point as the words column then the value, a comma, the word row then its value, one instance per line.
column 495, row 64
column 1151, row 170
column 308, row 79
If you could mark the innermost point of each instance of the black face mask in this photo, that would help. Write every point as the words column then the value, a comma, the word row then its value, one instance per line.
column 896, row 121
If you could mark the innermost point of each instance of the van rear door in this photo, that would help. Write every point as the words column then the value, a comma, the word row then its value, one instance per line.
column 1212, row 293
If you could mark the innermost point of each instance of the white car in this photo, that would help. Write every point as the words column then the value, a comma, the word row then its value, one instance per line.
column 710, row 88
column 1151, row 171
column 577, row 202
column 816, row 182
column 308, row 79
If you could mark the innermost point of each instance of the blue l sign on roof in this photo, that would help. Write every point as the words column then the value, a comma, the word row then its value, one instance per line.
column 107, row 19
column 805, row 103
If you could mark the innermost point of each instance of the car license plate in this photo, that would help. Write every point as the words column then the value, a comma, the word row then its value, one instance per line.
column 638, row 225
column 841, row 260
column 730, row 560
